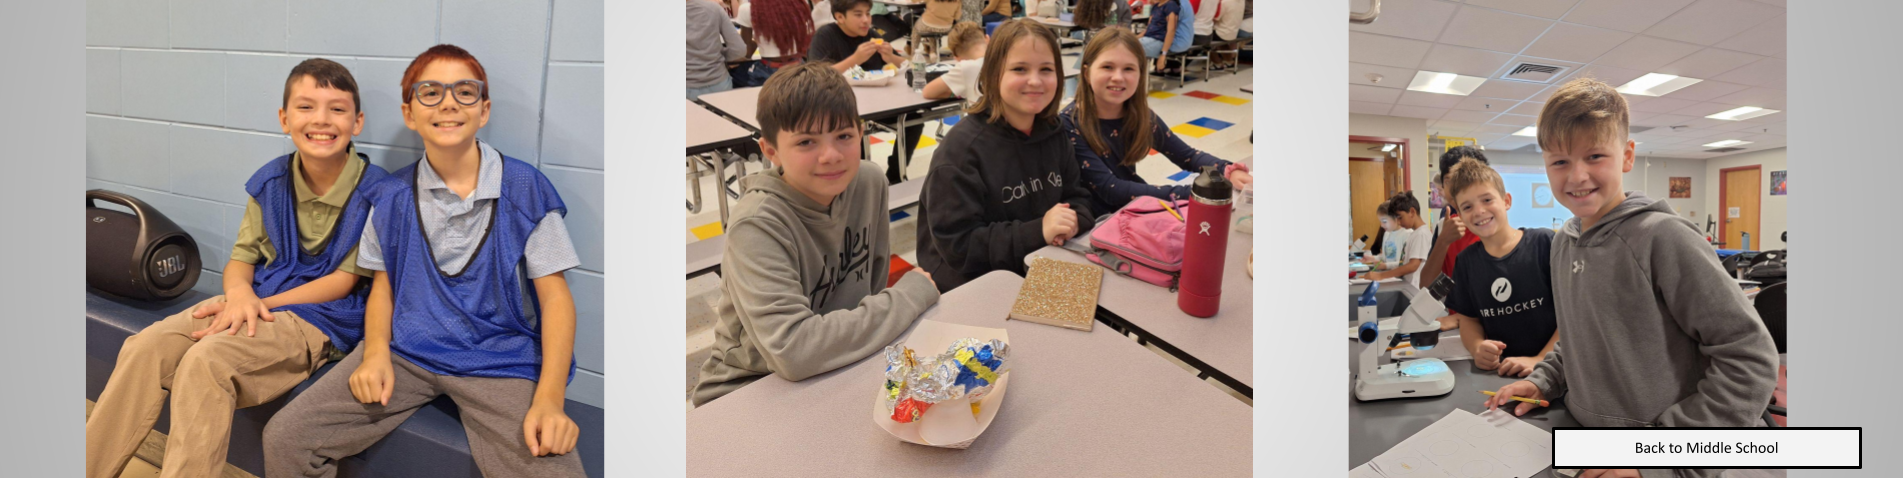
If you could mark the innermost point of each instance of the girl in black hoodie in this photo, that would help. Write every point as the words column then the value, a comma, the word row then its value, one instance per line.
column 1006, row 182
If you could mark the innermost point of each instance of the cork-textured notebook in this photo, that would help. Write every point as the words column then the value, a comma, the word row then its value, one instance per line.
column 1059, row 293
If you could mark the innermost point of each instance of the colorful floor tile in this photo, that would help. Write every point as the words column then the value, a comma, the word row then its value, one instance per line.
column 1191, row 130
column 1230, row 100
column 1162, row 95
column 926, row 142
column 896, row 216
column 1211, row 123
column 706, row 230
column 1180, row 176
column 1201, row 94
column 876, row 140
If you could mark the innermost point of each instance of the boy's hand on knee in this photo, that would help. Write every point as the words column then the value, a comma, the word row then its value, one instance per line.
column 548, row 430
column 232, row 314
column 373, row 381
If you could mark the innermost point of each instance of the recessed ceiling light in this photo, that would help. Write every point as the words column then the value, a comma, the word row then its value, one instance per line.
column 1530, row 131
column 1742, row 113
column 1389, row 147
column 1656, row 84
column 1444, row 83
column 1727, row 143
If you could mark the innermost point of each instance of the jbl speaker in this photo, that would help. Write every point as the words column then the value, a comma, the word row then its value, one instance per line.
column 142, row 255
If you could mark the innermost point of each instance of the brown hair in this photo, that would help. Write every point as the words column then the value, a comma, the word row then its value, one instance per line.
column 1137, row 127
column 327, row 74
column 443, row 52
column 990, row 77
column 1467, row 174
column 1092, row 14
column 1402, row 202
column 1583, row 110
column 964, row 35
column 807, row 98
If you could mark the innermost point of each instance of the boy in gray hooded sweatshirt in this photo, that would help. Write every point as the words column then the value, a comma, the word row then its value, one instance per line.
column 1653, row 331
column 808, row 248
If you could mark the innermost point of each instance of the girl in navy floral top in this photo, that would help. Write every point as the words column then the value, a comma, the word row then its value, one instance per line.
column 1112, row 128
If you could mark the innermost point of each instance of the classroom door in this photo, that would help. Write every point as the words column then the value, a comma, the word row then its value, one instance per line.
column 1739, row 206
column 1366, row 189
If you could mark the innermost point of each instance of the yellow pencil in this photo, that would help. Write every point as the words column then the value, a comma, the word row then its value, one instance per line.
column 1172, row 209
column 1523, row 399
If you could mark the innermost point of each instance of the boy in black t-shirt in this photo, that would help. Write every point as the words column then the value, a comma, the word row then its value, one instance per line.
column 1503, row 295
column 850, row 41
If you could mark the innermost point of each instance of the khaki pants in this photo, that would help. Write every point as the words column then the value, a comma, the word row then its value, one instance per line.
column 207, row 380
column 326, row 424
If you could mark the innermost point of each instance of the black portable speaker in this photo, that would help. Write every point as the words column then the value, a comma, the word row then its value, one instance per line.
column 142, row 255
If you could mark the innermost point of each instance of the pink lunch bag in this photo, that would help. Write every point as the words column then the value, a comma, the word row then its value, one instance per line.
column 1142, row 240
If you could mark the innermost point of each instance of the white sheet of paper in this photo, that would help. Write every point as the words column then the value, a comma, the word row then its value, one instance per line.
column 1494, row 444
column 1364, row 471
column 1459, row 458
column 1523, row 455
column 1407, row 464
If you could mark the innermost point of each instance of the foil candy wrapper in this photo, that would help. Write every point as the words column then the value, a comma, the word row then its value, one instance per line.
column 969, row 368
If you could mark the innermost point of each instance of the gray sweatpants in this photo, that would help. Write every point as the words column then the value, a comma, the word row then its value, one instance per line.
column 326, row 424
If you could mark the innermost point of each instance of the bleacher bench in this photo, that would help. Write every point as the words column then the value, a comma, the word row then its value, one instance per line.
column 430, row 444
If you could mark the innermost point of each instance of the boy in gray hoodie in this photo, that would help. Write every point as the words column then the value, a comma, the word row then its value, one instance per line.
column 808, row 250
column 1654, row 332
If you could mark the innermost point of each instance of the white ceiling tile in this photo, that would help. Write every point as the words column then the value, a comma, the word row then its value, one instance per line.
column 1373, row 94
column 1492, row 30
column 1512, row 90
column 1759, row 97
column 1484, row 138
column 1662, row 121
column 1501, row 129
column 1416, row 19
column 1528, row 108
column 1469, row 116
column 1701, row 123
column 1624, row 15
column 1514, row 120
column 1610, row 75
column 1486, row 105
column 1417, row 112
column 1645, row 53
column 1386, row 51
column 1510, row 143
column 1768, row 73
column 1367, row 108
column 1662, row 105
column 1576, row 43
column 1430, row 100
column 1708, row 22
column 1702, row 110
column 1391, row 77
column 1463, row 60
column 1777, row 129
column 1551, row 9
column 1708, row 63
column 1445, row 124
column 1765, row 39
column 1778, row 3
column 1706, row 90
column 1736, row 126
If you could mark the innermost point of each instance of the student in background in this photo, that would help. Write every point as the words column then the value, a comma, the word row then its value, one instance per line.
column 849, row 42
column 292, row 289
column 1452, row 235
column 807, row 255
column 1161, row 38
column 1112, row 128
column 968, row 42
column 1656, row 334
column 780, row 28
column 1004, row 181
column 1228, row 27
column 711, row 43
column 1503, row 296
column 996, row 11
column 822, row 13
column 1390, row 241
column 938, row 18
column 469, row 300
column 1407, row 211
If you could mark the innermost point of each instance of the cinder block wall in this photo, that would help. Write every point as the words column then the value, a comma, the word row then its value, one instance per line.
column 182, row 99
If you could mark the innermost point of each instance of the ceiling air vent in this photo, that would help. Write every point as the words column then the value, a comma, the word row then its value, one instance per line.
column 1724, row 150
column 1533, row 73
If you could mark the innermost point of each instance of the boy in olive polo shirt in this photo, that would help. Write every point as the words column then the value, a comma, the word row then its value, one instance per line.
column 292, row 301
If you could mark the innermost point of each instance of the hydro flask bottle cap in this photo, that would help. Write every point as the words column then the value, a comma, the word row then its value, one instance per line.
column 1211, row 187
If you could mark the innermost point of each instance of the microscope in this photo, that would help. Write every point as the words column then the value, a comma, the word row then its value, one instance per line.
column 1418, row 325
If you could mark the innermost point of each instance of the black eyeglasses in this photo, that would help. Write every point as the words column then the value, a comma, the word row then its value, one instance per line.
column 430, row 93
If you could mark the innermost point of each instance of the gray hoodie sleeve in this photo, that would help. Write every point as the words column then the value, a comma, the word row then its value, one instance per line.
column 796, row 343
column 1550, row 374
column 1742, row 368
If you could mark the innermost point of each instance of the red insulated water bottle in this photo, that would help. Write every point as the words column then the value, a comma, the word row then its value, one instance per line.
column 1205, row 242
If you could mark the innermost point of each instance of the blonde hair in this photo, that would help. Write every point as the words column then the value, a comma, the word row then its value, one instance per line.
column 1467, row 174
column 1583, row 110
column 990, row 77
column 964, row 35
